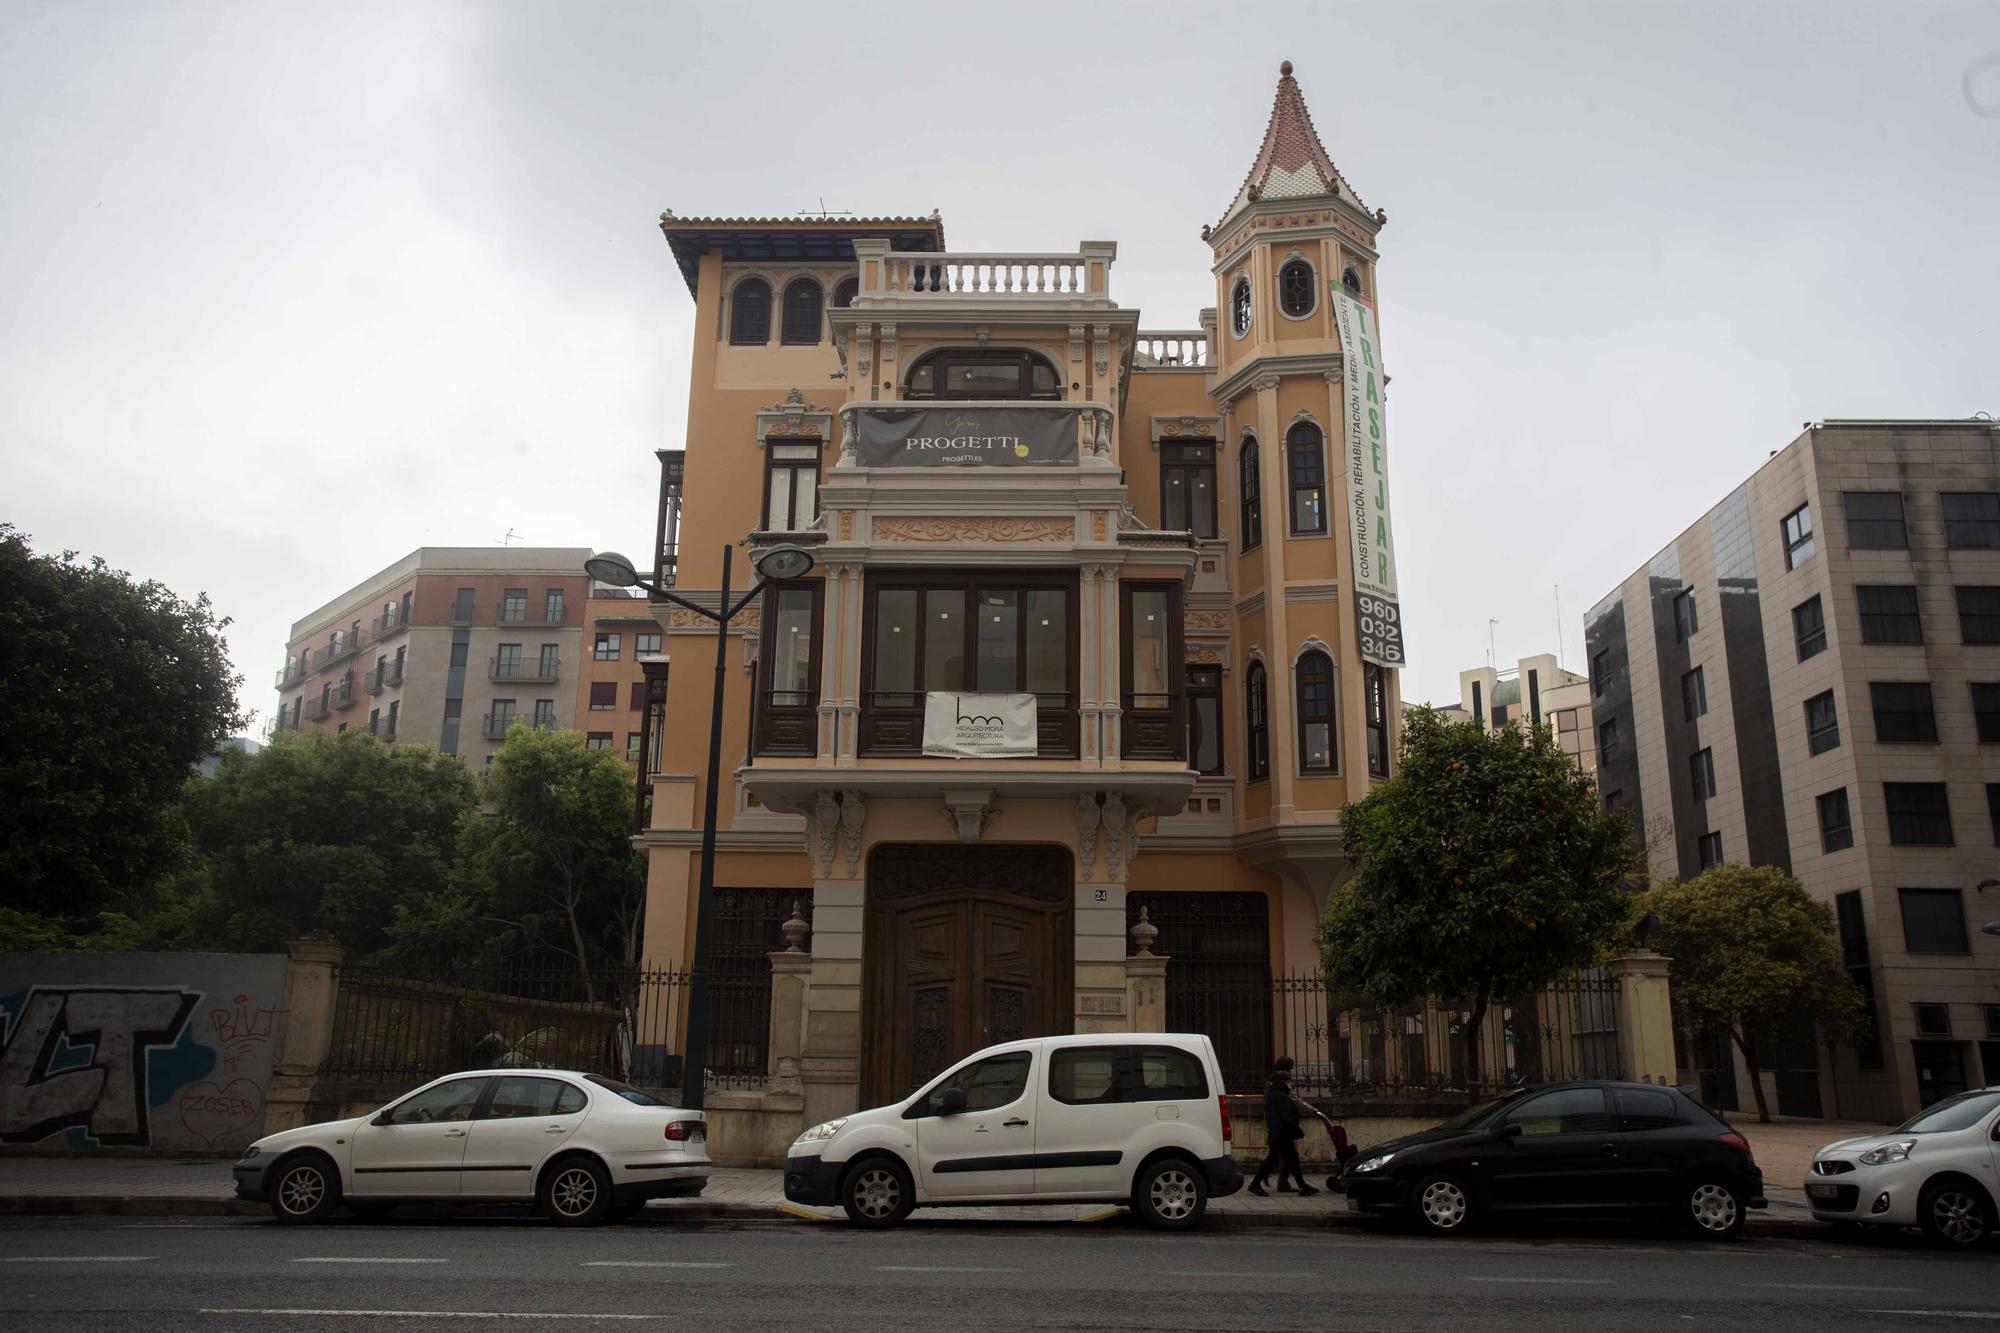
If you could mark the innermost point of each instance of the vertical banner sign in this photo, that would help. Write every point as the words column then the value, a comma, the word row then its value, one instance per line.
column 1375, row 607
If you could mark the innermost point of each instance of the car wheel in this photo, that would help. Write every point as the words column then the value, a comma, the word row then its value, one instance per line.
column 1170, row 1195
column 370, row 1212
column 305, row 1189
column 1954, row 1213
column 876, row 1192
column 576, row 1193
column 1713, row 1209
column 1442, row 1205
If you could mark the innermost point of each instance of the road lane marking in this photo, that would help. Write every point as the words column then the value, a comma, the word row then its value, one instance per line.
column 422, row 1314
column 937, row 1268
column 78, row 1258
column 1943, row 1314
column 1556, row 1281
column 650, row 1263
column 1828, row 1286
column 365, row 1259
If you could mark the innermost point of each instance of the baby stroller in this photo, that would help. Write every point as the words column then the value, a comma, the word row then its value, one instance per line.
column 1343, row 1152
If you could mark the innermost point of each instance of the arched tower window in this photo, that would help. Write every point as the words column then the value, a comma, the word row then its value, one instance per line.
column 1257, row 721
column 1315, row 685
column 1252, row 487
column 1297, row 292
column 845, row 291
column 1305, row 464
column 1351, row 280
column 750, row 313
column 1239, row 307
column 802, row 306
column 983, row 372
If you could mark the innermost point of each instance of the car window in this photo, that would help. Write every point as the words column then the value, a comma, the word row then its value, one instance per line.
column 1084, row 1075
column 445, row 1102
column 570, row 1100
column 987, row 1084
column 518, row 1098
column 1564, row 1111
column 627, row 1091
column 1166, row 1074
column 1639, row 1108
column 1473, row 1115
column 1960, row 1112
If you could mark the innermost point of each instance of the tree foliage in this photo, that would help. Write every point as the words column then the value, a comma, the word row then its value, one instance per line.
column 1752, row 951
column 316, row 832
column 1485, row 868
column 115, row 690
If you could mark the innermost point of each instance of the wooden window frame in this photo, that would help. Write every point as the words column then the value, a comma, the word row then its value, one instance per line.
column 790, row 728
column 792, row 315
column 739, row 335
column 1026, row 358
column 1150, row 731
column 1303, row 439
column 1286, row 273
column 1242, row 306
column 1250, row 482
column 845, row 291
column 1184, row 457
column 773, row 465
column 1300, row 721
column 1257, row 723
column 1206, row 690
column 1375, row 717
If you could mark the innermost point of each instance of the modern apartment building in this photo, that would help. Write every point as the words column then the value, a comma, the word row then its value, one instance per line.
column 620, row 640
column 446, row 648
column 1535, row 692
column 1809, row 677
column 1102, row 620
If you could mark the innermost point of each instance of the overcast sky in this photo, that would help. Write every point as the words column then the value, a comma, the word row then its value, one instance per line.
column 287, row 290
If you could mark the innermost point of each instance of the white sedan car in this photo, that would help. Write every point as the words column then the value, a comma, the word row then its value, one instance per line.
column 1937, row 1171
column 583, row 1147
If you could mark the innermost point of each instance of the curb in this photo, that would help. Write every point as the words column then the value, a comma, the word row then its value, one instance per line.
column 739, row 1214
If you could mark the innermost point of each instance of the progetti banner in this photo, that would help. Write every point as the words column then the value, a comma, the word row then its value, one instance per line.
column 939, row 436
column 1375, row 606
column 979, row 726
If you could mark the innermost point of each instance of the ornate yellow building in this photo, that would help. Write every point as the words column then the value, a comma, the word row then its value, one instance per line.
column 1084, row 636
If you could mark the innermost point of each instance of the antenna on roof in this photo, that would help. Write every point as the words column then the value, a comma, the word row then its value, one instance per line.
column 508, row 540
column 824, row 212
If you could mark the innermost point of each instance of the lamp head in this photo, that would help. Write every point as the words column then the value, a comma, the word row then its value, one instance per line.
column 785, row 562
column 612, row 568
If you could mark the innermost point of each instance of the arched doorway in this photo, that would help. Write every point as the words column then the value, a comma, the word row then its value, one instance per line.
column 965, row 947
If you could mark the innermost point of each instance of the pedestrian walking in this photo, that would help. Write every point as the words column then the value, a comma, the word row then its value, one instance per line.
column 1282, row 1132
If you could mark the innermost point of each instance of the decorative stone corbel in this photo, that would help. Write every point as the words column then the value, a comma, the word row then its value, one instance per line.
column 852, row 814
column 888, row 344
column 1114, row 833
column 969, row 812
column 1100, row 341
column 1076, row 332
column 1087, row 817
column 826, row 820
column 1139, row 812
column 1263, row 382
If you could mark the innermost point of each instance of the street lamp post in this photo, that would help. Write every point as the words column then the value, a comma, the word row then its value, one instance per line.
column 778, row 563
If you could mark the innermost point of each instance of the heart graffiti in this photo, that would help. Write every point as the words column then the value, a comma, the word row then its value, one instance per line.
column 213, row 1113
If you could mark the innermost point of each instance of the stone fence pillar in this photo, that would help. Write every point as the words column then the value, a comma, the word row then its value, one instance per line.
column 305, row 1031
column 1146, row 992
column 1645, row 1017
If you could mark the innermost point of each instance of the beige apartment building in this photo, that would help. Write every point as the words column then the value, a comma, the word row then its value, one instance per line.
column 621, row 641
column 1537, row 691
column 1809, row 677
column 447, row 648
column 1102, row 622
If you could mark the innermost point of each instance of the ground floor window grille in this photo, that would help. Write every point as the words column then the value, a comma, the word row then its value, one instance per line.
column 1218, row 947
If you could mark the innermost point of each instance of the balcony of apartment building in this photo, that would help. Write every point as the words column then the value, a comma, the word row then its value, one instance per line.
column 317, row 708
column 511, row 668
column 290, row 674
column 344, row 694
column 394, row 620
column 516, row 610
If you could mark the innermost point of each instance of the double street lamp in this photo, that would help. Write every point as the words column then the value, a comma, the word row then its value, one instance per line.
column 778, row 564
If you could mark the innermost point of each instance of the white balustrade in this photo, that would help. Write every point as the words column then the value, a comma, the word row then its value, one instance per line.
column 1177, row 349
column 1083, row 276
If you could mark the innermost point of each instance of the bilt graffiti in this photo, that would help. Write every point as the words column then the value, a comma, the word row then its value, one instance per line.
column 80, row 1056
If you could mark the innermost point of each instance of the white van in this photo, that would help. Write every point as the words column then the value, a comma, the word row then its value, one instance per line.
column 1110, row 1117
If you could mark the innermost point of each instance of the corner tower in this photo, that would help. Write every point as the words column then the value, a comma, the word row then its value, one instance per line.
column 1295, row 270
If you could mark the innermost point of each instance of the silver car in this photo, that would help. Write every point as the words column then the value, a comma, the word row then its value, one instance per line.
column 1937, row 1171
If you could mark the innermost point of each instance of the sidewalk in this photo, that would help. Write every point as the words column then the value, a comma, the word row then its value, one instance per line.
column 203, row 1187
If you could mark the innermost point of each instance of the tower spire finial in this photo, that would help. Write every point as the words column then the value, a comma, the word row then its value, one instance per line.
column 1291, row 163
column 1284, row 69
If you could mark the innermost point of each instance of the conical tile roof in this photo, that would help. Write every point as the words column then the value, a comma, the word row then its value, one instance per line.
column 1292, row 163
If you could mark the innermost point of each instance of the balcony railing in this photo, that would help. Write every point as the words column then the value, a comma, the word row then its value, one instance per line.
column 1081, row 278
column 323, row 658
column 462, row 613
column 389, row 622
column 372, row 682
column 394, row 675
column 1171, row 349
column 505, row 614
column 317, row 709
column 533, row 673
column 494, row 725
column 384, row 730
column 290, row 674
column 344, row 694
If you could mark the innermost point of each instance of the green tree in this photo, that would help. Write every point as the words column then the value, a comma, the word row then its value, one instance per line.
column 115, row 690
column 316, row 832
column 550, row 871
column 1751, row 951
column 1485, row 868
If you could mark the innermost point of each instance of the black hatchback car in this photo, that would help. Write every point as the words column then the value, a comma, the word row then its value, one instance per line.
column 1566, row 1148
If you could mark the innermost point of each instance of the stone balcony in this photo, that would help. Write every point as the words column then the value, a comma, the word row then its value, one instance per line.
column 963, row 280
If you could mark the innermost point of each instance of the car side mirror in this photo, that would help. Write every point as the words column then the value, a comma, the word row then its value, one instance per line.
column 381, row 1118
column 1509, row 1131
column 951, row 1101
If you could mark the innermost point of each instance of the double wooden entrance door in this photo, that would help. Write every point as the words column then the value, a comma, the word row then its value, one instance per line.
column 966, row 947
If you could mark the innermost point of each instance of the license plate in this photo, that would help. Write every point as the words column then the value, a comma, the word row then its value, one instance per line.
column 1823, row 1191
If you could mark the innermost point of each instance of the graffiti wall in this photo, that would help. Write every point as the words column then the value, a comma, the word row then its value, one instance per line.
column 163, row 1052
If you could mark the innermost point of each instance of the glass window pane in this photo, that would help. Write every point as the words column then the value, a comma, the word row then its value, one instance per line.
column 792, row 648
column 984, row 380
column 805, row 496
column 1208, row 733
column 1149, row 646
column 1201, row 501
column 1083, row 1075
column 1048, row 641
column 1318, row 745
column 999, row 640
column 895, row 668
column 944, row 639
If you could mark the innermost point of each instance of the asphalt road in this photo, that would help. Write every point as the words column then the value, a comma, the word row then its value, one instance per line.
column 218, row 1275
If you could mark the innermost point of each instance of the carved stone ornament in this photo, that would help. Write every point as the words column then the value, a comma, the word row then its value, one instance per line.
column 1200, row 620
column 1139, row 812
column 1087, row 817
column 968, row 812
column 974, row 529
column 1114, row 832
column 749, row 617
column 794, row 417
column 1203, row 656
column 1143, row 933
column 1172, row 427
column 826, row 822
column 852, row 814
column 1097, row 525
column 1263, row 382
column 795, row 928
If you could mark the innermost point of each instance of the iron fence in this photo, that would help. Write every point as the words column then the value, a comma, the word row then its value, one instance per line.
column 1568, row 1030
column 626, row 1023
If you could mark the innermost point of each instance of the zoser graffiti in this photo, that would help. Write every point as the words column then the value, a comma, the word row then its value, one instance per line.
column 168, row 1052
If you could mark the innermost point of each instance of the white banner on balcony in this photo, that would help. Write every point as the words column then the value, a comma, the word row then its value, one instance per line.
column 1379, row 616
column 979, row 726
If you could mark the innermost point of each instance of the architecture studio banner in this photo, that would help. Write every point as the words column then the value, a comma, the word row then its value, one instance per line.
column 979, row 726
column 992, row 436
column 1375, row 607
